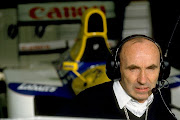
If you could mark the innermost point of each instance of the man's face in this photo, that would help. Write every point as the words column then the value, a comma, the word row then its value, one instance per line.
column 139, row 66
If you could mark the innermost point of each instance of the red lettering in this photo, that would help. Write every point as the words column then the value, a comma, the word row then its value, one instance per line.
column 32, row 48
column 73, row 12
column 47, row 47
column 80, row 11
column 66, row 12
column 23, row 48
column 54, row 11
column 85, row 7
column 33, row 11
column 103, row 9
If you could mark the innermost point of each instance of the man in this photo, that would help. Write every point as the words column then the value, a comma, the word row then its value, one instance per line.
column 129, row 96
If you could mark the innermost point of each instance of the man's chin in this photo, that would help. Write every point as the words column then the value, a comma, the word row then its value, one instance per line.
column 142, row 97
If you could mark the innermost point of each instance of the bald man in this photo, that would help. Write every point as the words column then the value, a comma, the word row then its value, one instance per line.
column 138, row 60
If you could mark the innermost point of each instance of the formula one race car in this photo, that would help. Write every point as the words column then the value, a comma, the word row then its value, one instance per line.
column 84, row 65
column 37, row 90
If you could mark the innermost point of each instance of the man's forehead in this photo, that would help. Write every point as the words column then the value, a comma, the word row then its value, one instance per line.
column 137, row 40
column 130, row 48
column 128, row 44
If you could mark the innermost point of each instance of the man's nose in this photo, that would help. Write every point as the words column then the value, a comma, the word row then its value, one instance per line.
column 142, row 78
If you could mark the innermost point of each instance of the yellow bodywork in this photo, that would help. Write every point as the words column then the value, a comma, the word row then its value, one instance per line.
column 93, row 76
column 96, row 74
column 77, row 50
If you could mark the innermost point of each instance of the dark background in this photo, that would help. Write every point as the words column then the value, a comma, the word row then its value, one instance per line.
column 165, row 15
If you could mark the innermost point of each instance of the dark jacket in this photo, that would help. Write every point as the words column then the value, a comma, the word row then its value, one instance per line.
column 100, row 102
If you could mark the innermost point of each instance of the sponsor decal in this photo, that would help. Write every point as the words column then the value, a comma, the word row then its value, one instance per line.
column 40, row 89
column 62, row 10
column 42, row 46
column 35, row 87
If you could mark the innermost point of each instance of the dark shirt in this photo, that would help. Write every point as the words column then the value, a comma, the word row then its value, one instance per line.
column 100, row 102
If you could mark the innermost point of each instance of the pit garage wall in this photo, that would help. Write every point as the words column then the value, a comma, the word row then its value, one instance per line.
column 8, row 45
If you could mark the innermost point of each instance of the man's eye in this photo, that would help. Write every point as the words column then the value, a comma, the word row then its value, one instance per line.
column 133, row 68
column 152, row 67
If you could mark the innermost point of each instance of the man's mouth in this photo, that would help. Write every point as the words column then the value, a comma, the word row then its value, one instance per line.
column 142, row 89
